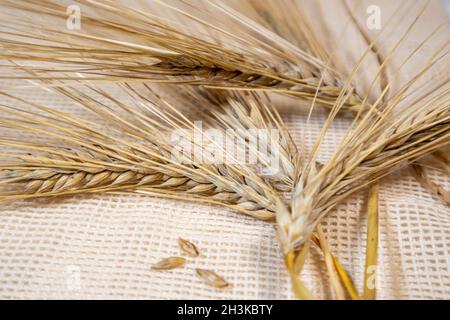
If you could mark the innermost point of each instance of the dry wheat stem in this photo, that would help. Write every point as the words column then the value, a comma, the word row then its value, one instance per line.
column 248, row 113
column 298, row 287
column 245, row 112
column 115, row 164
column 403, row 141
column 141, row 162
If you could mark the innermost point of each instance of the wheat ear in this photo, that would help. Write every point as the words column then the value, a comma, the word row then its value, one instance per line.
column 372, row 244
column 376, row 145
column 99, row 165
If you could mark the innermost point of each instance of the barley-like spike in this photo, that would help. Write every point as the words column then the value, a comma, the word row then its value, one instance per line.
column 170, row 263
column 112, row 164
column 211, row 278
column 188, row 247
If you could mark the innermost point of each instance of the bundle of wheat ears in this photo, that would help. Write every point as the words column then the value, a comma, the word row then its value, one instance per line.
column 136, row 72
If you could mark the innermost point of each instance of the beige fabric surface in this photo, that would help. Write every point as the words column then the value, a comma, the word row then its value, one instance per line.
column 102, row 246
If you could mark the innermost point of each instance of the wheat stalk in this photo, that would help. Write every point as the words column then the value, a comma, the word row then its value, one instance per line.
column 169, row 55
column 74, row 170
column 420, row 174
column 77, row 96
column 343, row 275
column 246, row 112
column 238, row 113
column 98, row 161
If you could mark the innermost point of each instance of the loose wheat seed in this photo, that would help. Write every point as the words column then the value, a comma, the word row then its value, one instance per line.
column 188, row 248
column 212, row 278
